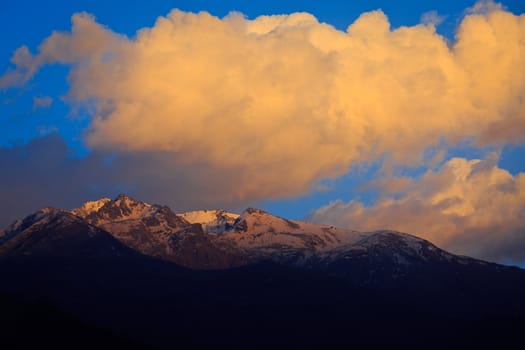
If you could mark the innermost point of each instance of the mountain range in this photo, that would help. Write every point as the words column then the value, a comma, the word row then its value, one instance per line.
column 213, row 277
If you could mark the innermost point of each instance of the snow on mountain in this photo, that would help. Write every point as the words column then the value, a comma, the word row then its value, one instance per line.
column 106, row 210
column 262, row 234
column 208, row 216
column 405, row 248
column 29, row 223
column 90, row 207
column 56, row 232
column 217, row 221
column 144, row 227
column 125, row 256
column 219, row 239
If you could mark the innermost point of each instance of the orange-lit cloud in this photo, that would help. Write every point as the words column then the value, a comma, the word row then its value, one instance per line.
column 280, row 102
column 470, row 207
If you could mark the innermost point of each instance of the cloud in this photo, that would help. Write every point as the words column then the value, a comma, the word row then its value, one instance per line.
column 483, row 7
column 43, row 173
column 470, row 207
column 35, row 175
column 26, row 67
column 432, row 18
column 42, row 102
column 278, row 103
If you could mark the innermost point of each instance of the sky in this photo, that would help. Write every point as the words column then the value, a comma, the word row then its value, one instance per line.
column 370, row 115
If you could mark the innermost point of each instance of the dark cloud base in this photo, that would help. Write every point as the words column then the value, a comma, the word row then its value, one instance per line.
column 43, row 173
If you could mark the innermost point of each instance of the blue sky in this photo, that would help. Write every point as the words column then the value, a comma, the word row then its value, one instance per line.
column 45, row 129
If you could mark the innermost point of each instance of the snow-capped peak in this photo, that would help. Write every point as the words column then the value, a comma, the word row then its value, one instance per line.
column 107, row 210
column 260, row 220
column 90, row 207
column 207, row 216
column 255, row 235
column 264, row 234
column 217, row 221
column 130, row 207
column 32, row 221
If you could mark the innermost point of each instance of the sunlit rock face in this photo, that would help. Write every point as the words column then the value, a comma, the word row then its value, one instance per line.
column 216, row 239
column 55, row 233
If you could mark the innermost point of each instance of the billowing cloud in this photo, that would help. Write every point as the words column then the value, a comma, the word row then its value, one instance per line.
column 280, row 102
column 471, row 207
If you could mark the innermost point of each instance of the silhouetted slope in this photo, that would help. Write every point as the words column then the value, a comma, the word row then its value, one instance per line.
column 38, row 324
column 293, row 284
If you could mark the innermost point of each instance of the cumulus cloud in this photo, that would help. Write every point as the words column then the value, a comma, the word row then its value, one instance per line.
column 470, row 207
column 280, row 102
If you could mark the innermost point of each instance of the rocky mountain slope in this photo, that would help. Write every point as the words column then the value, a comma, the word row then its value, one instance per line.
column 161, row 277
column 216, row 239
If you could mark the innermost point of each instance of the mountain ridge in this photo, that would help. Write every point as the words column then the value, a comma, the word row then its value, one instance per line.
column 254, row 235
column 213, row 277
column 217, row 239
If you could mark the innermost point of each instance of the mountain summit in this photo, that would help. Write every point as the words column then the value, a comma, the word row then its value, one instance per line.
column 216, row 239
column 211, row 277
